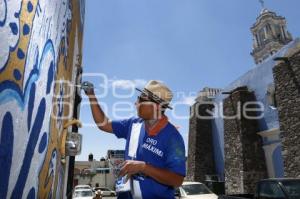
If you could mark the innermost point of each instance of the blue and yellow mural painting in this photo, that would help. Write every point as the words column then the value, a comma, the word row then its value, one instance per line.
column 40, row 50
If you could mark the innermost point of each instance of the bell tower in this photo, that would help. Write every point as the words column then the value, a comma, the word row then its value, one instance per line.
column 269, row 34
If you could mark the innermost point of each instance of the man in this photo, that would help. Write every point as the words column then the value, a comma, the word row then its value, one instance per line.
column 155, row 152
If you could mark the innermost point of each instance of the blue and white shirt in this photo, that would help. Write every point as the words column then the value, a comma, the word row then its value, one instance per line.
column 165, row 150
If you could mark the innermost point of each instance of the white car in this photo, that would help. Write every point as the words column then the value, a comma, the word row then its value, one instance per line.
column 82, row 186
column 105, row 191
column 83, row 194
column 194, row 190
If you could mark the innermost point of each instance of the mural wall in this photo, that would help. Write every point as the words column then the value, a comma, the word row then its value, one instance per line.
column 40, row 53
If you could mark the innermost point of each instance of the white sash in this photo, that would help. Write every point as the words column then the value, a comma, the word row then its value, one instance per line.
column 132, row 151
column 134, row 139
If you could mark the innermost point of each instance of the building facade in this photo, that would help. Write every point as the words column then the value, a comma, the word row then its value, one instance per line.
column 251, row 128
column 270, row 34
column 102, row 173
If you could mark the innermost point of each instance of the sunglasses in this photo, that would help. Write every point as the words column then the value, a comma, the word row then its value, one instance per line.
column 142, row 99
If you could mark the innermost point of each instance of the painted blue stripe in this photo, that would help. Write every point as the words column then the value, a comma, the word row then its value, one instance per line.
column 9, row 90
column 43, row 143
column 6, row 150
column 31, row 145
column 2, row 22
column 30, row 105
column 31, row 194
column 50, row 77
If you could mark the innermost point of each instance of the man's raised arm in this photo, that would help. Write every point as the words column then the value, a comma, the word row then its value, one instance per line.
column 99, row 116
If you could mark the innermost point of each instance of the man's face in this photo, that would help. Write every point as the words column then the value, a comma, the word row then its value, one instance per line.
column 147, row 108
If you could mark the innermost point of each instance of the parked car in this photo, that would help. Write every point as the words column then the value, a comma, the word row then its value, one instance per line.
column 83, row 194
column 105, row 191
column 274, row 188
column 197, row 190
column 82, row 186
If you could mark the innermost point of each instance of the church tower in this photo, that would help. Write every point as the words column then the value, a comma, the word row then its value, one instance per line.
column 269, row 34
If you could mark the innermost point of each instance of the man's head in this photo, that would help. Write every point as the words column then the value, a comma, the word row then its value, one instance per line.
column 153, row 100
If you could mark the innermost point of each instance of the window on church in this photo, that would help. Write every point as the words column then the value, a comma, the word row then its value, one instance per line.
column 262, row 34
column 283, row 31
column 278, row 31
column 257, row 40
column 268, row 28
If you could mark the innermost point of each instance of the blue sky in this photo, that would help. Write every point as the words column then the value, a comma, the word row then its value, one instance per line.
column 187, row 44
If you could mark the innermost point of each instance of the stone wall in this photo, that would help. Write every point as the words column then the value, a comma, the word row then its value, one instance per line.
column 244, row 156
column 200, row 154
column 287, row 84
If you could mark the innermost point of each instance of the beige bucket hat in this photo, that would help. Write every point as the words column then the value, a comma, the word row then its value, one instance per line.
column 158, row 92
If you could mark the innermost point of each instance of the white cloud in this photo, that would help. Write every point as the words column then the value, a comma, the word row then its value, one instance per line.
column 140, row 83
column 123, row 84
column 127, row 84
column 190, row 100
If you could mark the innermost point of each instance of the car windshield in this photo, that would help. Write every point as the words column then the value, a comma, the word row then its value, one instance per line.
column 293, row 188
column 83, row 193
column 101, row 188
column 195, row 189
column 82, row 187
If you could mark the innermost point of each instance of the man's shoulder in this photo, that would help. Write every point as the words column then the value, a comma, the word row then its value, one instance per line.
column 129, row 120
column 171, row 128
column 171, row 131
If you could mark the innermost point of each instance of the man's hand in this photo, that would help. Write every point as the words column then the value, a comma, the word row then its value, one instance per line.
column 164, row 176
column 88, row 87
column 131, row 167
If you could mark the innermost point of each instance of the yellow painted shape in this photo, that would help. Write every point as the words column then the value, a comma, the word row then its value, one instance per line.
column 14, row 62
